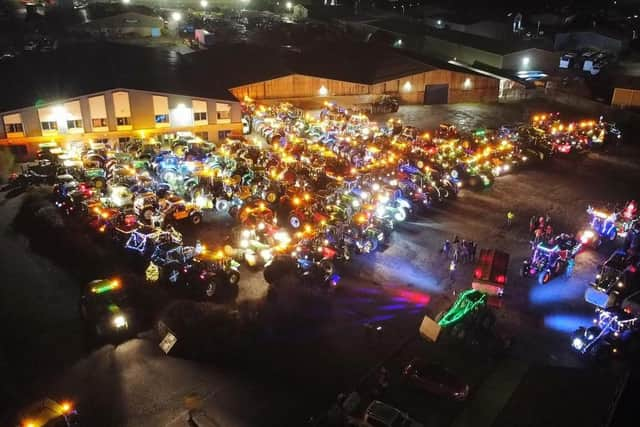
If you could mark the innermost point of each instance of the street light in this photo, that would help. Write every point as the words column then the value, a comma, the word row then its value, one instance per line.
column 176, row 16
column 289, row 5
column 126, row 1
column 204, row 4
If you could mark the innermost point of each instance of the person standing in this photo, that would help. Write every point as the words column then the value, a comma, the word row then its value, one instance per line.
column 510, row 218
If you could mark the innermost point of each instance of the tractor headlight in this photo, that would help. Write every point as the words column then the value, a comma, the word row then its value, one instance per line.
column 620, row 285
column 577, row 343
column 266, row 255
column 261, row 226
column 244, row 243
column 250, row 257
column 459, row 184
column 119, row 321
column 245, row 234
column 364, row 195
column 282, row 237
column 381, row 211
column 355, row 203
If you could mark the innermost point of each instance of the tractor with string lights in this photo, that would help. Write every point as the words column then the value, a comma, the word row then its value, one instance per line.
column 613, row 333
column 105, row 305
column 608, row 225
column 49, row 413
column 552, row 258
column 617, row 277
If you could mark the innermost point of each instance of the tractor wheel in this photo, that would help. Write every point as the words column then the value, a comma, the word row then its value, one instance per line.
column 196, row 218
column 294, row 221
column 544, row 277
column 99, row 183
column 370, row 245
column 222, row 205
column 400, row 215
column 233, row 211
column 147, row 213
column 272, row 197
column 560, row 266
column 327, row 269
column 234, row 277
column 210, row 289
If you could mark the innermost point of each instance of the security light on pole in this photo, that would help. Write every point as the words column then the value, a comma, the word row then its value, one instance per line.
column 289, row 5
column 176, row 16
column 204, row 4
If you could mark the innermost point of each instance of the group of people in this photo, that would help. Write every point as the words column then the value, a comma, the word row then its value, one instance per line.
column 540, row 228
column 460, row 250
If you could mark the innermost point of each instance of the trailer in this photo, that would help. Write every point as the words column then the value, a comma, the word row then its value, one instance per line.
column 490, row 274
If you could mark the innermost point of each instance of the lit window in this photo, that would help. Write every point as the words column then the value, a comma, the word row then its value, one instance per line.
column 162, row 118
column 223, row 111
column 99, row 123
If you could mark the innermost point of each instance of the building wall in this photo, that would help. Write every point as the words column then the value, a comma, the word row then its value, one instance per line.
column 447, row 50
column 625, row 97
column 142, row 120
column 462, row 87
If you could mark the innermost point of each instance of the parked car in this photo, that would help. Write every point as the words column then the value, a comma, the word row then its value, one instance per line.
column 435, row 379
column 380, row 414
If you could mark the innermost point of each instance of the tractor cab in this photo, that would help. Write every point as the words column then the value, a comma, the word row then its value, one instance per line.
column 617, row 278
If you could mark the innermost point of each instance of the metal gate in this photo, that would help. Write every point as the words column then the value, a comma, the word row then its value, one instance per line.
column 436, row 94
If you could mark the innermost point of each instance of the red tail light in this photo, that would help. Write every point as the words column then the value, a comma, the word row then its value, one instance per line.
column 477, row 273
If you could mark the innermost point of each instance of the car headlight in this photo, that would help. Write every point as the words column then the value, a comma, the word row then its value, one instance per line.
column 119, row 321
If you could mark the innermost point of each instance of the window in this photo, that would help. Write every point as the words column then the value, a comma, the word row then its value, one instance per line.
column 122, row 121
column 223, row 134
column 74, row 124
column 162, row 118
column 124, row 140
column 99, row 123
column 201, row 116
column 203, row 135
column 223, row 111
column 49, row 126
column 14, row 128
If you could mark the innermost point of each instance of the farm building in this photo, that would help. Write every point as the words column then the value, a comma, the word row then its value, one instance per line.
column 360, row 73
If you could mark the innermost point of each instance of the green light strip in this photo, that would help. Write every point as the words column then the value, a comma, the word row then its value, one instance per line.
column 467, row 301
column 105, row 288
